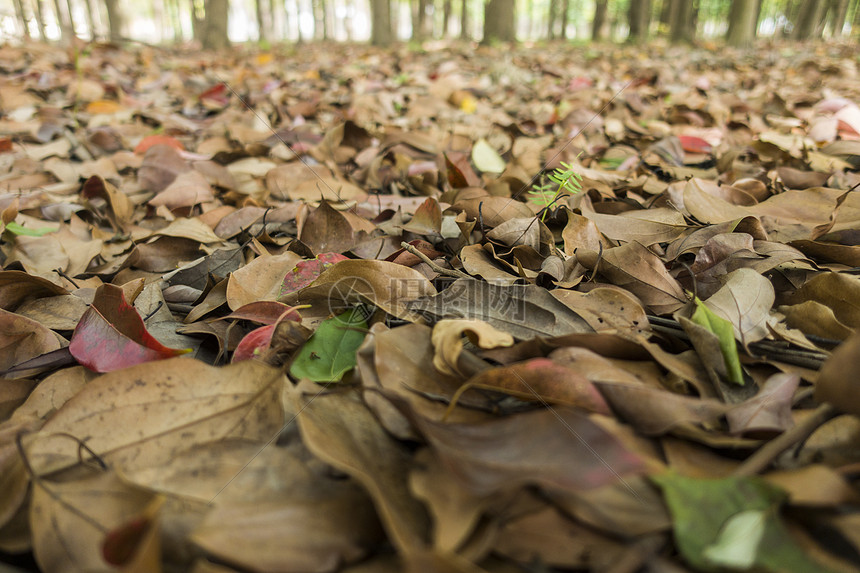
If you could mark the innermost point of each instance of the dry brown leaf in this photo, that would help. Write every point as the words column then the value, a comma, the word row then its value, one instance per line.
column 340, row 430
column 132, row 418
column 640, row 271
column 69, row 521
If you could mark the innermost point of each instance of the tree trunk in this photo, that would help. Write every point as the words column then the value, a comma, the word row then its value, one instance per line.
column 265, row 17
column 550, row 21
column 598, row 25
column 681, row 22
column 175, row 15
column 639, row 20
column 216, row 20
column 499, row 21
column 464, row 20
column 22, row 19
column 808, row 19
column 40, row 20
column 838, row 12
column 666, row 13
column 565, row 10
column 347, row 22
column 66, row 31
column 419, row 17
column 380, row 22
column 743, row 21
column 319, row 20
column 71, row 18
column 446, row 17
column 301, row 31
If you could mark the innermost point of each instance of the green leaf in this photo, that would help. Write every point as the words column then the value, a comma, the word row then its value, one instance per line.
column 723, row 330
column 17, row 229
column 732, row 523
column 330, row 352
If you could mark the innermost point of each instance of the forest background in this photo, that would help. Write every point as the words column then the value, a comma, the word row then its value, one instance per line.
column 215, row 24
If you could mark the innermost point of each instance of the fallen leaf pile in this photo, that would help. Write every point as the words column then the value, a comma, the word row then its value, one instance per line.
column 309, row 310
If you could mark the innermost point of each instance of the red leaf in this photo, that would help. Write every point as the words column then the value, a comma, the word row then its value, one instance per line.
column 111, row 335
column 217, row 93
column 307, row 272
column 254, row 343
column 151, row 140
column 693, row 144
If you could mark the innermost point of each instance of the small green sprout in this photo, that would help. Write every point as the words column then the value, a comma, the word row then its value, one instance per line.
column 562, row 182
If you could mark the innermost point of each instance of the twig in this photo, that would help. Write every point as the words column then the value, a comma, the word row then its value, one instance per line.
column 436, row 268
column 765, row 455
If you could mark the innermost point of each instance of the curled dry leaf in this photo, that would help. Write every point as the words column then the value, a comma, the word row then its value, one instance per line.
column 448, row 341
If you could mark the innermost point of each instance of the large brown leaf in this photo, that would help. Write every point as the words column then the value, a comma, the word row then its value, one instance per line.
column 140, row 416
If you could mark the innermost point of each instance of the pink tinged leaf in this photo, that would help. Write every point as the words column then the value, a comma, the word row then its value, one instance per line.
column 307, row 272
column 111, row 335
column 545, row 381
column 255, row 343
column 558, row 449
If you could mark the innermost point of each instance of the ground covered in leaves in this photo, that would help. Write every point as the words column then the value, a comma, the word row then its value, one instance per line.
column 324, row 309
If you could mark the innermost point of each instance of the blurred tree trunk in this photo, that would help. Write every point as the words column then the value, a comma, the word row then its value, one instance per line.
column 319, row 10
column 565, row 10
column 175, row 16
column 808, row 19
column 380, row 22
column 115, row 20
column 71, row 19
column 64, row 22
column 743, row 22
column 682, row 22
column 347, row 22
column 639, row 20
column 265, row 19
column 446, row 17
column 499, row 21
column 198, row 22
column 838, row 10
column 22, row 19
column 598, row 25
column 40, row 19
column 93, row 20
column 301, row 30
column 215, row 22
column 666, row 13
column 551, row 18
column 464, row 20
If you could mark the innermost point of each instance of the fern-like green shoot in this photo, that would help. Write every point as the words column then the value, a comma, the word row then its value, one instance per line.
column 562, row 182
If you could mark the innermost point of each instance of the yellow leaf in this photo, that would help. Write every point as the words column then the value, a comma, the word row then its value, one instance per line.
column 103, row 107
